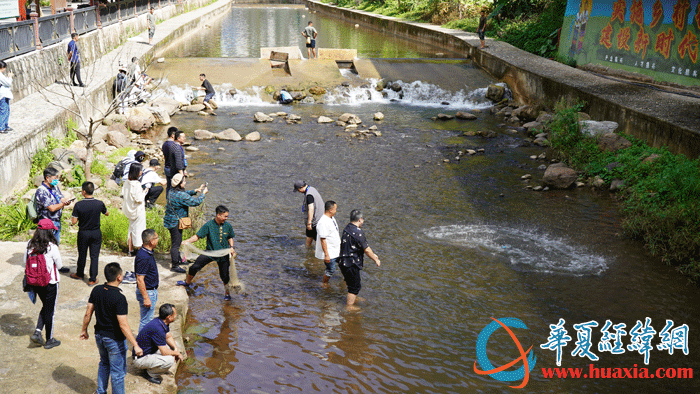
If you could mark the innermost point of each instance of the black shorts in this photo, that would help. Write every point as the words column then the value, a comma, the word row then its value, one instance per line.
column 351, row 273
column 312, row 44
column 311, row 233
column 482, row 35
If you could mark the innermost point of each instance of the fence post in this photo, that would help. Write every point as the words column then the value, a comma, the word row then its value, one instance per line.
column 35, row 19
column 136, row 11
column 119, row 12
column 72, row 23
column 97, row 14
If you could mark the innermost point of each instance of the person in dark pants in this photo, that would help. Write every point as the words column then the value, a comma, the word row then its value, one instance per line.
column 481, row 30
column 150, row 180
column 74, row 59
column 167, row 146
column 353, row 247
column 179, row 201
column 219, row 235
column 87, row 214
column 175, row 160
column 208, row 90
column 43, row 242
column 147, row 277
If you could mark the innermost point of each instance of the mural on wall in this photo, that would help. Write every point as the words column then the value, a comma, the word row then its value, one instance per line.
column 658, row 38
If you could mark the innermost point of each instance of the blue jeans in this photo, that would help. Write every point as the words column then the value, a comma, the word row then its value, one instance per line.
column 57, row 233
column 330, row 267
column 208, row 97
column 4, row 112
column 147, row 313
column 112, row 362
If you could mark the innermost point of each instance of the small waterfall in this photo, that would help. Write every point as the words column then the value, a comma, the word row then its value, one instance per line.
column 524, row 248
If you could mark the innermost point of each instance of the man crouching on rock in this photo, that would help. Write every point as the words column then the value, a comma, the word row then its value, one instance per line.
column 159, row 348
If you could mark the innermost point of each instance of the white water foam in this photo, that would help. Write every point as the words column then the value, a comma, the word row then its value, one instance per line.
column 524, row 248
column 417, row 93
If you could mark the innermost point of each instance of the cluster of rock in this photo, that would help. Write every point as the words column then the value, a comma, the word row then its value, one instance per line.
column 459, row 115
column 225, row 135
column 304, row 96
column 351, row 123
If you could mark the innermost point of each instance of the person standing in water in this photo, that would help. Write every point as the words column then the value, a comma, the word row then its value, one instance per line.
column 353, row 247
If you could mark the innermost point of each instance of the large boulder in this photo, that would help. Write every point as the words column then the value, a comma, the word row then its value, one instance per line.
column 193, row 108
column 559, row 177
column 350, row 118
column 317, row 90
column 297, row 95
column 228, row 135
column 495, row 92
column 160, row 114
column 527, row 112
column 170, row 105
column 203, row 135
column 612, row 142
column 260, row 117
column 325, row 119
column 140, row 119
column 254, row 136
column 116, row 139
column 113, row 118
column 442, row 116
column 120, row 128
column 594, row 128
column 465, row 115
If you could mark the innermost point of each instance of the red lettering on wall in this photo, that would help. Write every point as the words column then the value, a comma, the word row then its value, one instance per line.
column 606, row 36
column 657, row 13
column 623, row 36
column 637, row 13
column 619, row 10
column 680, row 13
column 641, row 43
column 663, row 43
column 689, row 44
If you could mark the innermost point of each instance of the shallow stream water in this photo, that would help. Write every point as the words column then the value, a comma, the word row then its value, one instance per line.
column 460, row 242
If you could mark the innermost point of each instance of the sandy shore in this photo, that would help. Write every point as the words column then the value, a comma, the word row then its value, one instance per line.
column 72, row 366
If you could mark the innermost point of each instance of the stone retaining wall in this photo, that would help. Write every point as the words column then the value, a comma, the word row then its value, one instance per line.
column 536, row 80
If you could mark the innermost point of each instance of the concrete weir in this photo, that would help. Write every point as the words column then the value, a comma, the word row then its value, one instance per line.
column 43, row 101
column 659, row 117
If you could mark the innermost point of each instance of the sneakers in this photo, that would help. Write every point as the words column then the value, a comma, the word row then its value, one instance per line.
column 129, row 277
column 92, row 282
column 182, row 283
column 36, row 338
column 152, row 379
column 51, row 343
column 178, row 269
column 76, row 276
column 63, row 270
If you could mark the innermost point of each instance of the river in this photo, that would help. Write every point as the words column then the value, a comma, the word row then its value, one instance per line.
column 460, row 241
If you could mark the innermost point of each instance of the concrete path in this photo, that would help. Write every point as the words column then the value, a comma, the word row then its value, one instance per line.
column 72, row 366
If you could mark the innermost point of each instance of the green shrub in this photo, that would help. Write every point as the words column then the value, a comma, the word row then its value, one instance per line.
column 98, row 168
column 660, row 199
column 14, row 220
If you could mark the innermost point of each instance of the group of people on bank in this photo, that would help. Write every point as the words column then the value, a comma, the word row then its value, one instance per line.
column 154, row 349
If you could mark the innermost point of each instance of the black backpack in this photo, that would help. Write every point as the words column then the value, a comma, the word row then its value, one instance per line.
column 119, row 169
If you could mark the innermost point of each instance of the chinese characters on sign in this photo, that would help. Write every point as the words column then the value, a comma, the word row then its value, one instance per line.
column 640, row 335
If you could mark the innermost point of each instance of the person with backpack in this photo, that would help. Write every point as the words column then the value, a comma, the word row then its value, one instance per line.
column 151, row 180
column 121, row 170
column 42, row 261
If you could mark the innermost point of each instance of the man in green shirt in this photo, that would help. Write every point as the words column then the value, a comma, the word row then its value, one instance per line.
column 219, row 235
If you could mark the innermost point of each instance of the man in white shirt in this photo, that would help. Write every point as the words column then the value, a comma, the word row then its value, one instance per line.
column 151, row 180
column 328, row 239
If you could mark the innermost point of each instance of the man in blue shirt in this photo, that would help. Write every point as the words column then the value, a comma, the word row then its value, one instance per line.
column 147, row 278
column 159, row 348
column 49, row 202
column 74, row 59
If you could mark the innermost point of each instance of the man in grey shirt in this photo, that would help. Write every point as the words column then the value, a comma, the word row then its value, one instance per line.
column 310, row 34
column 151, row 26
column 312, row 207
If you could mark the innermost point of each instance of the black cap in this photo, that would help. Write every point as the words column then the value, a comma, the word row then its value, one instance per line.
column 299, row 184
column 139, row 156
column 153, row 163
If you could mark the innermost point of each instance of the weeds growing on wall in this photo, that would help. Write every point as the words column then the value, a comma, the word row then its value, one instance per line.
column 660, row 198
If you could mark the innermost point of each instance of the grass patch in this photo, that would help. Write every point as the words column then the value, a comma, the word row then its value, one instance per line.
column 660, row 199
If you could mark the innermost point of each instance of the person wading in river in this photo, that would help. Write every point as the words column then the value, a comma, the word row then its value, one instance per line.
column 353, row 247
column 312, row 206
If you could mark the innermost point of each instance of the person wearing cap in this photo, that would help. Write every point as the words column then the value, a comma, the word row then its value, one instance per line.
column 312, row 207
column 151, row 180
column 179, row 202
column 134, row 207
column 86, row 214
column 50, row 201
column 43, row 242
column 134, row 156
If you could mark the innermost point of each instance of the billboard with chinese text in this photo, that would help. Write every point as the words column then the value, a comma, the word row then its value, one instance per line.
column 658, row 38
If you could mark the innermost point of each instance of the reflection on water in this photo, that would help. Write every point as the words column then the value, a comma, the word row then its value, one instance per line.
column 245, row 30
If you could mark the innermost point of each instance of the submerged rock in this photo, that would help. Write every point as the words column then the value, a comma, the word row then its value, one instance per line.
column 325, row 119
column 203, row 134
column 254, row 136
column 260, row 117
column 465, row 116
column 378, row 116
column 495, row 92
column 442, row 116
column 559, row 177
column 228, row 135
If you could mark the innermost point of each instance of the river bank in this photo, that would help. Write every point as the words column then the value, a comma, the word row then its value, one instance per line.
column 72, row 366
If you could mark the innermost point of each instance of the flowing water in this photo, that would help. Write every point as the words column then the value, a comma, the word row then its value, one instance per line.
column 460, row 242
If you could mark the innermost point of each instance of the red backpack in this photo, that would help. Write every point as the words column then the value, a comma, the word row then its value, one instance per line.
column 36, row 272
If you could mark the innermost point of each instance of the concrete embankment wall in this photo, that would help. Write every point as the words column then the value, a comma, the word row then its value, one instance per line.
column 40, row 119
column 661, row 119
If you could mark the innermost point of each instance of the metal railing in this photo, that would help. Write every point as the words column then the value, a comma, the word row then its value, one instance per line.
column 54, row 28
column 16, row 39
column 22, row 37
